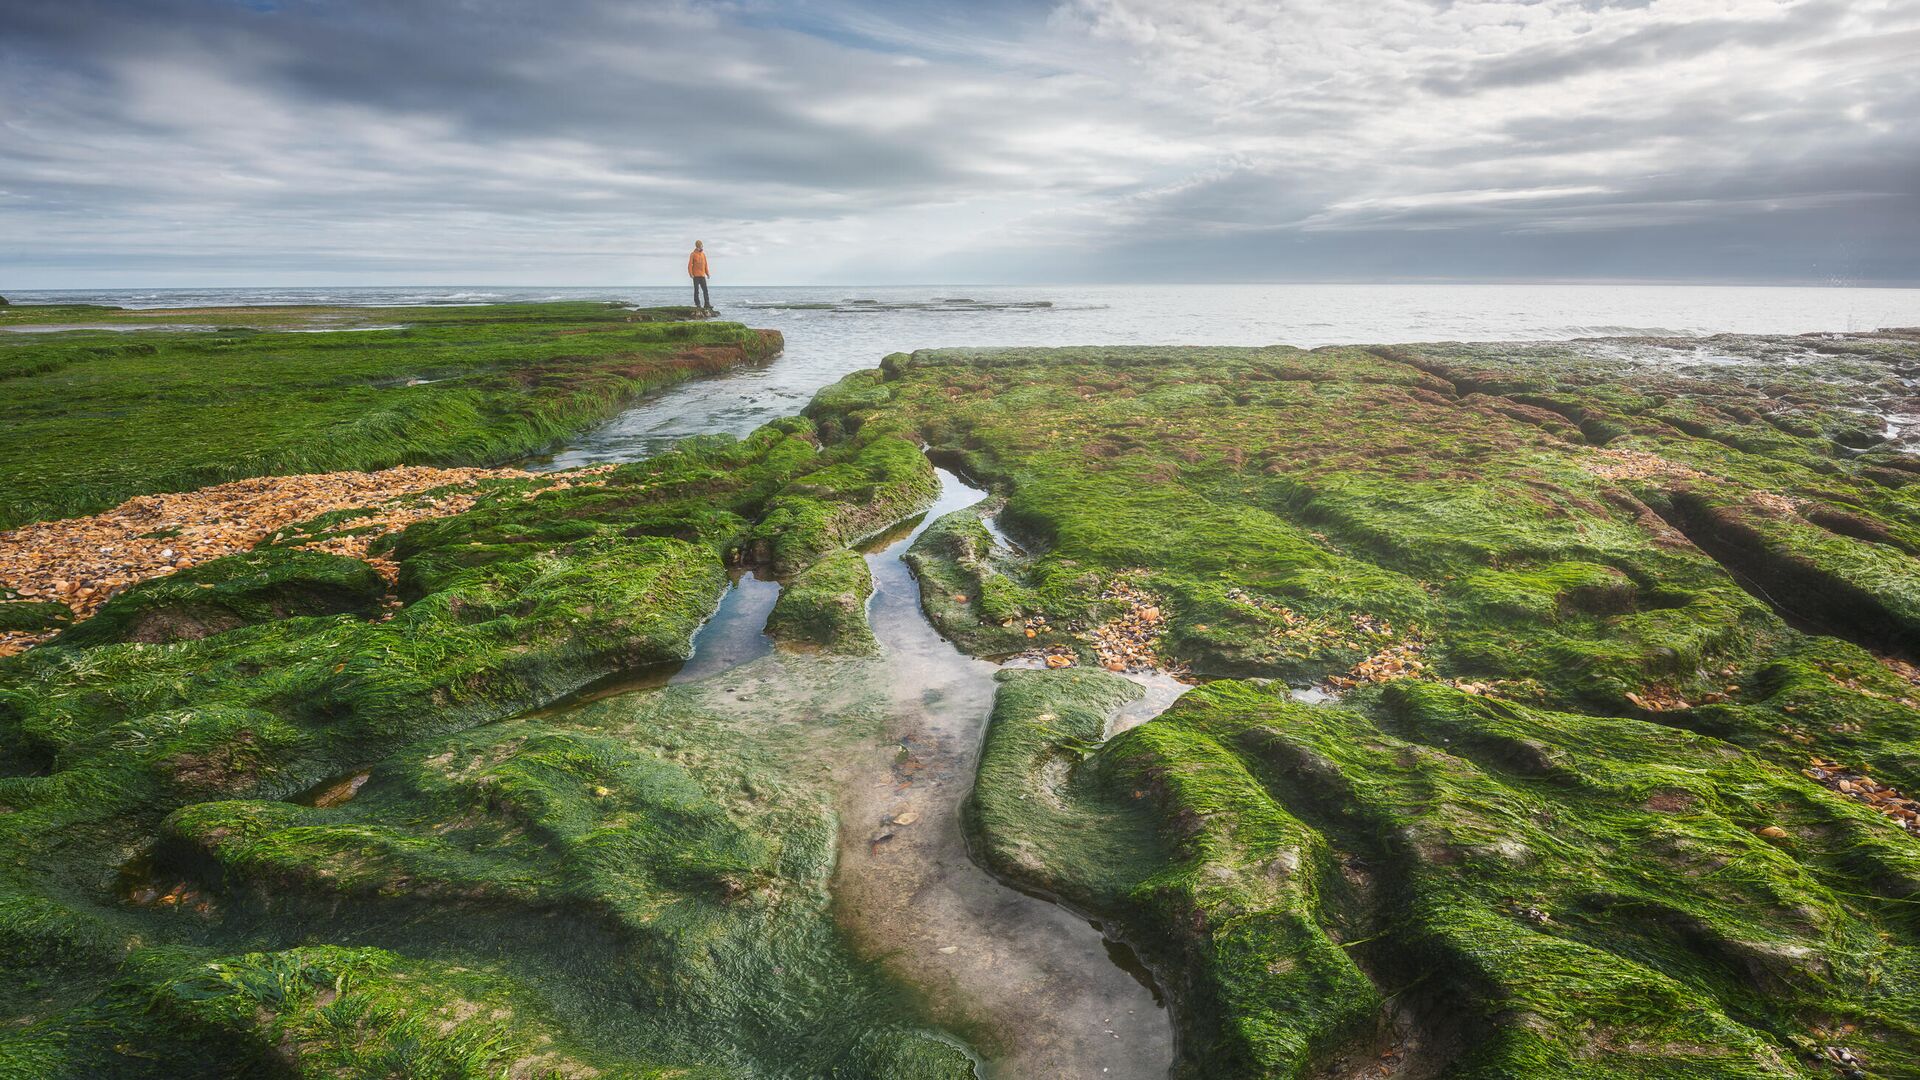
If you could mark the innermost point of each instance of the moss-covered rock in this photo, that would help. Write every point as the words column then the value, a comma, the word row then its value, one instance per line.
column 316, row 1011
column 238, row 590
column 825, row 606
column 153, row 798
column 94, row 416
column 970, row 588
column 871, row 483
column 1445, row 511
column 33, row 616
column 1615, row 595
column 1551, row 894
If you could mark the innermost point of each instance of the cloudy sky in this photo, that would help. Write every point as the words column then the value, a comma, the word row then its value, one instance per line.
column 211, row 142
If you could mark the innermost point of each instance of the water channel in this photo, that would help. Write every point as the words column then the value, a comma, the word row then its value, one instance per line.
column 1033, row 988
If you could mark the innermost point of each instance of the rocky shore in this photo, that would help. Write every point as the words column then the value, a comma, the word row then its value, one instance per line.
column 1554, row 715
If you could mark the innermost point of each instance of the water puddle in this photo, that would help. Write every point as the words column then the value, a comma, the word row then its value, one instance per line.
column 736, row 631
column 736, row 400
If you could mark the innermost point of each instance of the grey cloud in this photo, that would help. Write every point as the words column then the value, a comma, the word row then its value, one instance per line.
column 1236, row 138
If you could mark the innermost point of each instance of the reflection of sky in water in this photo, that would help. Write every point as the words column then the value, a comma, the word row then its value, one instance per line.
column 736, row 632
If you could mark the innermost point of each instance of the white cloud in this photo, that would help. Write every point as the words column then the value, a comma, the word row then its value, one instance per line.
column 842, row 140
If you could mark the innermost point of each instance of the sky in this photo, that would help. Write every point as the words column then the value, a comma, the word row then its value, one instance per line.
column 589, row 142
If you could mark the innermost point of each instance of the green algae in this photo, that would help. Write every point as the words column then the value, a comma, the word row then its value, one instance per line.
column 1555, row 894
column 1636, row 568
column 1022, row 809
column 1303, row 513
column 33, row 615
column 886, row 480
column 150, row 759
column 825, row 606
column 252, row 588
column 970, row 588
column 1219, row 887
column 91, row 418
column 1599, row 858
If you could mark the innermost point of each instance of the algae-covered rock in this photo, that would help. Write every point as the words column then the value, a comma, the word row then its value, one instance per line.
column 825, row 606
column 32, row 616
column 449, row 385
column 874, row 483
column 1223, row 892
column 1625, row 633
column 1353, row 514
column 238, row 590
column 605, row 903
column 316, row 1011
column 969, row 587
column 1552, row 889
column 1044, row 724
column 1640, row 615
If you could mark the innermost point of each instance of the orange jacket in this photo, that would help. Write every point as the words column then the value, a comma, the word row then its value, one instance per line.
column 697, row 264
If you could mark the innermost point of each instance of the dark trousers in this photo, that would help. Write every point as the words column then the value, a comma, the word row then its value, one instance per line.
column 701, row 297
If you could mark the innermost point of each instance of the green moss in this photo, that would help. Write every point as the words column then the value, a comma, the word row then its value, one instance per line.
column 33, row 615
column 93, row 417
column 317, row 1011
column 847, row 402
column 238, row 590
column 1086, row 850
column 875, row 483
column 825, row 606
column 1577, row 895
column 972, row 589
column 1598, row 859
column 1225, row 898
column 145, row 807
column 1443, row 507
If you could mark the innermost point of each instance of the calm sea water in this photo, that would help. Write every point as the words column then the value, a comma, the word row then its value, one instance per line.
column 855, row 326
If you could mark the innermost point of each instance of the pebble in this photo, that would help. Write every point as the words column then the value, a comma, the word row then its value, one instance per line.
column 1858, row 786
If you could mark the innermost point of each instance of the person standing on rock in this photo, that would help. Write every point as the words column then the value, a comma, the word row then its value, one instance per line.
column 697, row 270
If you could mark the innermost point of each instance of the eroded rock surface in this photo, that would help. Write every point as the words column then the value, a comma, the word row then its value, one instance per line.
column 1612, row 621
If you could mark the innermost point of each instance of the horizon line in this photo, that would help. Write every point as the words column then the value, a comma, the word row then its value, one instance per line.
column 1895, row 284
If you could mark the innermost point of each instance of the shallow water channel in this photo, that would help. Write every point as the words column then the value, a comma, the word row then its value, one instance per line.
column 1056, row 997
column 1033, row 988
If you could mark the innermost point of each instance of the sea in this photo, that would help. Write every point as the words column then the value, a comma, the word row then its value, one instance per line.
column 833, row 330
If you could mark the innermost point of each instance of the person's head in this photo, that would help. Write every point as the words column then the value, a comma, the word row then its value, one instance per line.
column 696, row 246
